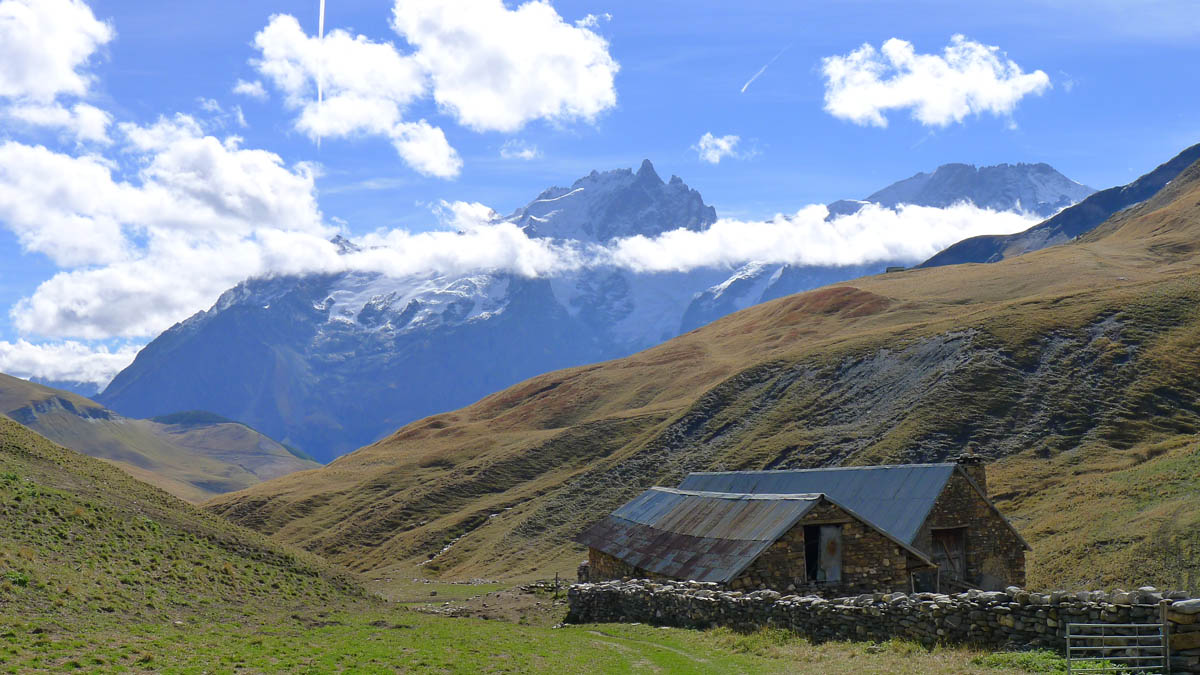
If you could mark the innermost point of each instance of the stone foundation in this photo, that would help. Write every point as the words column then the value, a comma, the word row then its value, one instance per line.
column 1010, row 619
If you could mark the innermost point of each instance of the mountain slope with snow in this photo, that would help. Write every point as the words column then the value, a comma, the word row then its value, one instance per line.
column 329, row 363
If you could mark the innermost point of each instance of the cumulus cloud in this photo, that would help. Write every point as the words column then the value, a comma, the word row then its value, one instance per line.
column 45, row 46
column 253, row 89
column 517, row 149
column 496, row 68
column 64, row 361
column 713, row 148
column 967, row 78
column 82, row 122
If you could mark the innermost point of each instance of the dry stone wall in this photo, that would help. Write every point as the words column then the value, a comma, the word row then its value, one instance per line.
column 1008, row 619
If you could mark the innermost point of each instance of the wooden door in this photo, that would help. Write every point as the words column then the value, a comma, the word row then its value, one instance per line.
column 950, row 554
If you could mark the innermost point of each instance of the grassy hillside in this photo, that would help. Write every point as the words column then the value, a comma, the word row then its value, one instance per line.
column 192, row 456
column 1072, row 367
column 100, row 572
column 81, row 539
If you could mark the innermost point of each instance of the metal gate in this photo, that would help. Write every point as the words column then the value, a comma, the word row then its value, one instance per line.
column 1117, row 648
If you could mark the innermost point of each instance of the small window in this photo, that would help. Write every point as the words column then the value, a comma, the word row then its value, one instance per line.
column 823, row 552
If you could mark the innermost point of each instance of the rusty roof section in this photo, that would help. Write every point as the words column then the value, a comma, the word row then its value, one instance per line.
column 895, row 499
column 703, row 536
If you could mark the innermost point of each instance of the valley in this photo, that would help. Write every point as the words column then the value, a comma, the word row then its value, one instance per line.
column 193, row 455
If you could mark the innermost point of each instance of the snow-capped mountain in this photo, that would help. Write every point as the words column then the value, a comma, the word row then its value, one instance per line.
column 329, row 363
column 603, row 206
column 1031, row 188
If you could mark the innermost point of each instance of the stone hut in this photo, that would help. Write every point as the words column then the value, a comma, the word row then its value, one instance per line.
column 827, row 531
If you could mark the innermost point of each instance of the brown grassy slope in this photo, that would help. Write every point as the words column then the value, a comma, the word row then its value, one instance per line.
column 81, row 539
column 1077, row 351
column 191, row 461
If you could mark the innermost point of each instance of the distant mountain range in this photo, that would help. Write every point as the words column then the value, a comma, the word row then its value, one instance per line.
column 1030, row 188
column 1069, row 223
column 192, row 455
column 329, row 363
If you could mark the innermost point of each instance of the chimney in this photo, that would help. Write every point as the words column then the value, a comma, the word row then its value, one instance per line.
column 974, row 466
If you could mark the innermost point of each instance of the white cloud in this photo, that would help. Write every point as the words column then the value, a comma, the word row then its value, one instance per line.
column 496, row 69
column 83, row 122
column 874, row 234
column 64, row 361
column 593, row 20
column 253, row 89
column 713, row 148
column 209, row 105
column 517, row 149
column 967, row 78
column 44, row 45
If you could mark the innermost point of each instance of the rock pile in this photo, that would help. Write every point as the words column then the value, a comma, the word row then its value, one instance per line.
column 1014, row 618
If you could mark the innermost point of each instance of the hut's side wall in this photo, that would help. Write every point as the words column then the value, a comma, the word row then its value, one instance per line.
column 995, row 557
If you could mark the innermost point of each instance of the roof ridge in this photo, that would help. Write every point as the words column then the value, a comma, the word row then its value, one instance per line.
column 829, row 468
column 710, row 494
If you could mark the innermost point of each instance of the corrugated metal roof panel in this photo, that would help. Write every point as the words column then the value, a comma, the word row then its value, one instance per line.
column 698, row 535
column 896, row 499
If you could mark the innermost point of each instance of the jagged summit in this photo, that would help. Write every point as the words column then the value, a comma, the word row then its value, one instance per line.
column 620, row 203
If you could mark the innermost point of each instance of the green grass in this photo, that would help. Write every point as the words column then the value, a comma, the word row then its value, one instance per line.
column 1037, row 661
column 372, row 640
column 81, row 538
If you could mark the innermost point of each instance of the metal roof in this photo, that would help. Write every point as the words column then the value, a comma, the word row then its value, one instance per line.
column 704, row 536
column 896, row 499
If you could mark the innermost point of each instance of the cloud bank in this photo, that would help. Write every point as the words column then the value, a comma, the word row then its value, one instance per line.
column 967, row 78
column 67, row 361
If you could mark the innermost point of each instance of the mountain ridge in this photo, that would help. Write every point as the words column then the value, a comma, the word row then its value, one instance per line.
column 1071, row 222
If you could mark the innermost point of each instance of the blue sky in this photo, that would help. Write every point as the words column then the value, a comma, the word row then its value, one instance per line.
column 1110, row 90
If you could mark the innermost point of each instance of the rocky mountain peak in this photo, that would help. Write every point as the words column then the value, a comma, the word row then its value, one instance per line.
column 605, row 205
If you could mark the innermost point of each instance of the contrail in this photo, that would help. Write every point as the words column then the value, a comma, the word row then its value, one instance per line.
column 760, row 70
column 320, row 61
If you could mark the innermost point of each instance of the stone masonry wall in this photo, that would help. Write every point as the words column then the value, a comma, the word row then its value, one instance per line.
column 995, row 556
column 1010, row 619
column 870, row 561
column 602, row 566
